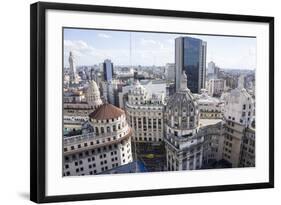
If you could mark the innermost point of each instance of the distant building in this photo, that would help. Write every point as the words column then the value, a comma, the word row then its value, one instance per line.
column 216, row 87
column 190, row 57
column 170, row 72
column 93, row 95
column 209, row 107
column 75, row 113
column 107, row 70
column 72, row 67
column 212, row 70
column 110, row 91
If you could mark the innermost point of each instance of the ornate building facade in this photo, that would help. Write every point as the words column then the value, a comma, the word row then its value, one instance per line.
column 104, row 144
column 184, row 147
column 77, row 113
column 145, row 114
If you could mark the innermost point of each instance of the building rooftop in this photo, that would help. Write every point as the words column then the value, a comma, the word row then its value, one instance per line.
column 207, row 122
column 106, row 111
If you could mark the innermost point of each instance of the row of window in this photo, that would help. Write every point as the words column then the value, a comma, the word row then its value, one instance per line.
column 147, row 139
column 86, row 144
column 91, row 152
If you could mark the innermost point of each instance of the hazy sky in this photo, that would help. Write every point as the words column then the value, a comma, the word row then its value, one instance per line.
column 93, row 46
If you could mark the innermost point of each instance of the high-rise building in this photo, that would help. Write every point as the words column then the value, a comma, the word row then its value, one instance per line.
column 212, row 70
column 190, row 57
column 107, row 70
column 72, row 67
column 170, row 72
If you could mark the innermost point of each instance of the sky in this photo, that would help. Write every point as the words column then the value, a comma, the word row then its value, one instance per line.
column 91, row 46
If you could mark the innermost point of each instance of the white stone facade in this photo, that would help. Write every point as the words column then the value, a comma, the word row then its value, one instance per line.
column 145, row 114
column 107, row 147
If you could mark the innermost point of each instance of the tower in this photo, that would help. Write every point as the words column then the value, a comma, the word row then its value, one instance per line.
column 190, row 57
column 108, row 70
column 184, row 150
column 72, row 67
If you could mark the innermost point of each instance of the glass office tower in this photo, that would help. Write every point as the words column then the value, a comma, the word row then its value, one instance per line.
column 107, row 70
column 190, row 57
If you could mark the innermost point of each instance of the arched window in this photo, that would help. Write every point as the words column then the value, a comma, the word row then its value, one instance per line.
column 107, row 129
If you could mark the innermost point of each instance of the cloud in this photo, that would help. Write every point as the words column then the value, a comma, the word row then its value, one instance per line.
column 103, row 35
column 86, row 54
column 152, row 44
column 78, row 47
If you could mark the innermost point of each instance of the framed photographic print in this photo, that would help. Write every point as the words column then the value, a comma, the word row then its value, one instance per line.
column 129, row 102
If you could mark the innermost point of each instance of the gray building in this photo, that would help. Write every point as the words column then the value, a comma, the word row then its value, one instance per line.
column 190, row 57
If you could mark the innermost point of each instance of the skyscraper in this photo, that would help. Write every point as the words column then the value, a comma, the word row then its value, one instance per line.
column 190, row 57
column 107, row 70
column 72, row 67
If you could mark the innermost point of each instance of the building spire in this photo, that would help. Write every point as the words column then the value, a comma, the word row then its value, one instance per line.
column 183, row 83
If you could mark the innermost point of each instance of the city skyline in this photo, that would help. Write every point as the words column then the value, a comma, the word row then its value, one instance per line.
column 94, row 46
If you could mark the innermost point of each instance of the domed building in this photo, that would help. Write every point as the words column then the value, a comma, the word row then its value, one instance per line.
column 93, row 95
column 183, row 145
column 106, row 144
column 77, row 113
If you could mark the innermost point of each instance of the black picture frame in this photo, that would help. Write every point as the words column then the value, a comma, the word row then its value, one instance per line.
column 38, row 100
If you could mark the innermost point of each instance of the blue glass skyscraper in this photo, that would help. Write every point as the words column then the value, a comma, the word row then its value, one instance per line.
column 107, row 70
column 190, row 57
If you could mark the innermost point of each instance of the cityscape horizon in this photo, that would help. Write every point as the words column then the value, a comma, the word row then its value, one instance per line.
column 187, row 114
column 88, row 52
